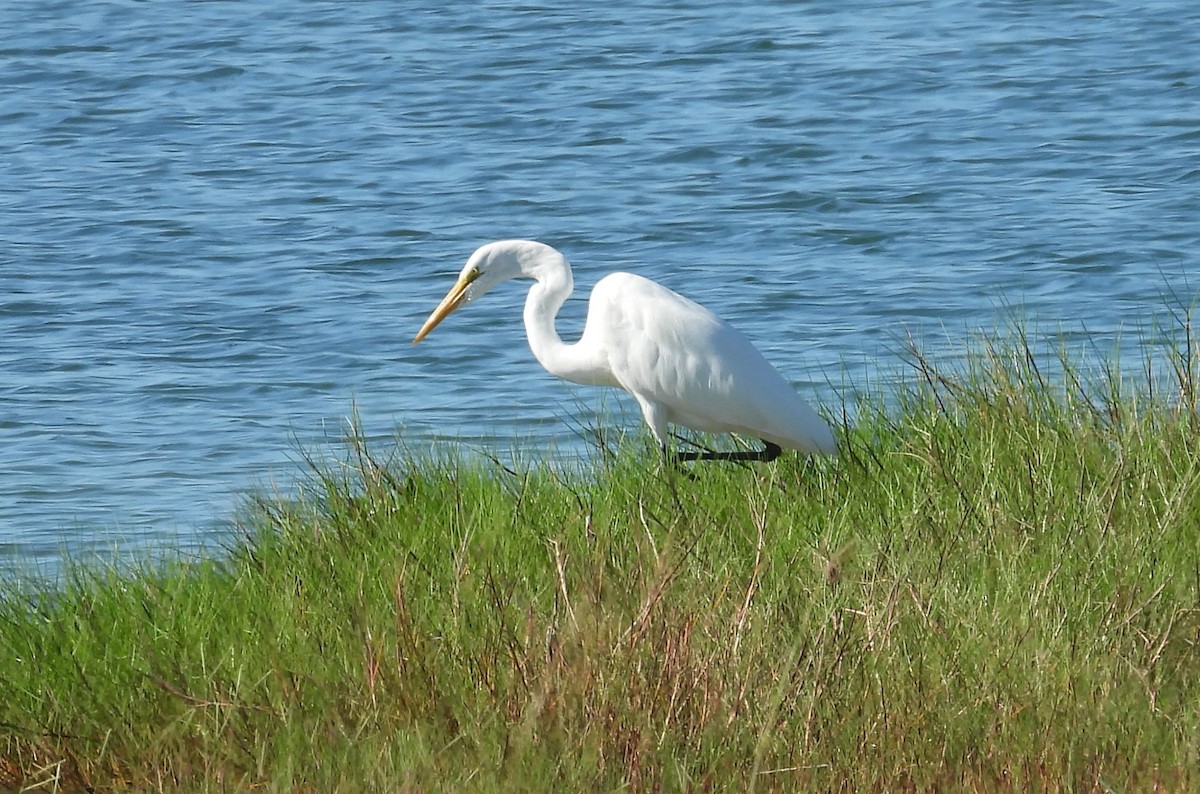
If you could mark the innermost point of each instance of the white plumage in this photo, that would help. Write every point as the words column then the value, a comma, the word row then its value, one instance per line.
column 682, row 363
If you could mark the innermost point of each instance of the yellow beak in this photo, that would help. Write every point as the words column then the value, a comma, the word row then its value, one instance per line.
column 449, row 303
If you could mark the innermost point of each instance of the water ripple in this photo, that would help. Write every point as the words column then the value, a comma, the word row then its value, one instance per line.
column 224, row 222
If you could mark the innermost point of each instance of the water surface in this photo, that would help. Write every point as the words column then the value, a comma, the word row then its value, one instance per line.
column 223, row 222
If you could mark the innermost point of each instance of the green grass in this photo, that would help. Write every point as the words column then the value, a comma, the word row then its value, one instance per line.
column 995, row 587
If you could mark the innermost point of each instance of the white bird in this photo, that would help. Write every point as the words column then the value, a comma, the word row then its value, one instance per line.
column 682, row 363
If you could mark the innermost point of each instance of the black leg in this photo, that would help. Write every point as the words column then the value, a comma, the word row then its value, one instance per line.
column 764, row 455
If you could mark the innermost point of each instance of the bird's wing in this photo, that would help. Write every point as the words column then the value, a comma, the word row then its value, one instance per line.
column 672, row 351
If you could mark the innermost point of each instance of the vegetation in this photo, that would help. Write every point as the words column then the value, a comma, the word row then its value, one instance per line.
column 995, row 587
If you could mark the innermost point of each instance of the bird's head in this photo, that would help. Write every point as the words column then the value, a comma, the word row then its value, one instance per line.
column 490, row 265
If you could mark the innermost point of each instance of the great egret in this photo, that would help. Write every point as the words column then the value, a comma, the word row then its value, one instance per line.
column 682, row 363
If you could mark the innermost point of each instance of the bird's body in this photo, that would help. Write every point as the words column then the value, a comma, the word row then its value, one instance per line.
column 682, row 363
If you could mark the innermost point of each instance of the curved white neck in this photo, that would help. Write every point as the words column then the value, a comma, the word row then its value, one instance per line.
column 552, row 286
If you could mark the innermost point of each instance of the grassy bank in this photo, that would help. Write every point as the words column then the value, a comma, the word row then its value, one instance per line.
column 995, row 587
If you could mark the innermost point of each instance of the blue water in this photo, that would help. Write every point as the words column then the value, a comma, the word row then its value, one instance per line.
column 221, row 223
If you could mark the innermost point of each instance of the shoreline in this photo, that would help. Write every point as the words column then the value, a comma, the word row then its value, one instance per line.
column 994, row 586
